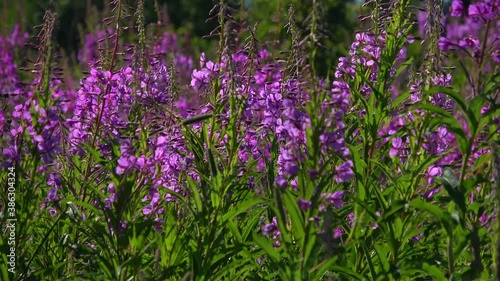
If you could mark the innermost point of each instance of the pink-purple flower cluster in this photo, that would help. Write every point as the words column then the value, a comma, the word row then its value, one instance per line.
column 475, row 32
column 94, row 46
column 8, row 72
column 274, row 107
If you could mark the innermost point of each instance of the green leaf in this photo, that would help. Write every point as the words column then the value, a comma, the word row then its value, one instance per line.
column 449, row 179
column 240, row 208
column 435, row 109
column 281, row 216
column 319, row 270
column 403, row 67
column 434, row 271
column 195, row 194
column 434, row 210
column 358, row 170
column 352, row 275
column 382, row 256
column 401, row 98
column 395, row 207
column 455, row 95
column 212, row 164
column 75, row 210
column 295, row 216
column 252, row 223
column 475, row 106
column 94, row 153
column 452, row 185
column 480, row 162
column 234, row 230
column 267, row 247
column 175, row 194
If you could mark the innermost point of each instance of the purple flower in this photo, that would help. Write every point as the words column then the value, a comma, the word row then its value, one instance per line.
column 457, row 8
column 482, row 11
column 470, row 42
column 304, row 205
column 417, row 237
column 167, row 43
column 11, row 152
column 397, row 144
column 445, row 44
column 396, row 124
column 148, row 209
column 52, row 195
column 336, row 199
column 333, row 140
column 291, row 168
column 159, row 225
column 260, row 259
column 200, row 78
column 271, row 228
column 281, row 182
column 344, row 172
column 313, row 174
column 485, row 220
column 288, row 162
column 123, row 164
column 430, row 193
column 182, row 105
column 338, row 232
column 90, row 52
column 496, row 55
column 54, row 180
column 432, row 172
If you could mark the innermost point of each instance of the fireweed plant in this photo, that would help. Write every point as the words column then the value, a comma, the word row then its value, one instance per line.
column 249, row 166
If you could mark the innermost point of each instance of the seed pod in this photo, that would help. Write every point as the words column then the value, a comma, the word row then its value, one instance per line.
column 196, row 118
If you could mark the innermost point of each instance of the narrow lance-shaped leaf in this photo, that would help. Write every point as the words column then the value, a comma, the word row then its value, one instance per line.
column 197, row 118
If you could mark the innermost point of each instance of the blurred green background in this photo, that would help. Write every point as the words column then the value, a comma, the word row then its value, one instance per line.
column 188, row 18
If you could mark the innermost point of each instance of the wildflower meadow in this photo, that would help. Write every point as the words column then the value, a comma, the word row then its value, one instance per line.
column 260, row 157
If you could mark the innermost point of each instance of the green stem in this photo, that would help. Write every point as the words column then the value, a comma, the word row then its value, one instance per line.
column 451, row 258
